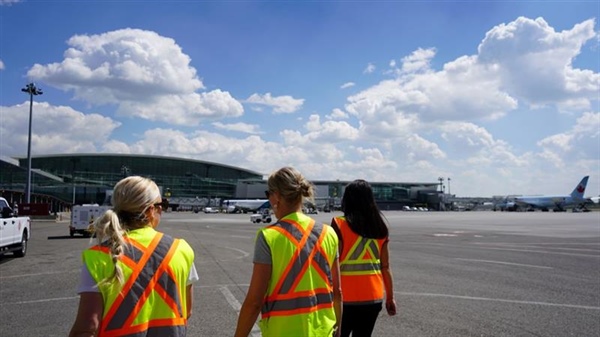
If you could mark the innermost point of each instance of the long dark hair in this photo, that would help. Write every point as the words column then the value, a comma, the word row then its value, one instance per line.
column 361, row 211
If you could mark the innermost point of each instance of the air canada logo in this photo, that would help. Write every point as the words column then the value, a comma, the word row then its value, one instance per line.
column 580, row 189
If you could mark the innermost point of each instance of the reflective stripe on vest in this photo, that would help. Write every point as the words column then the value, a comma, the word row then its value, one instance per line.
column 357, row 261
column 284, row 300
column 150, row 272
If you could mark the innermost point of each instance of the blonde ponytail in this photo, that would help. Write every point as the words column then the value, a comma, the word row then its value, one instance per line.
column 109, row 232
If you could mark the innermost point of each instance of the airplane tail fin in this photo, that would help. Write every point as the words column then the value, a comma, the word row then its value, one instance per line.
column 580, row 188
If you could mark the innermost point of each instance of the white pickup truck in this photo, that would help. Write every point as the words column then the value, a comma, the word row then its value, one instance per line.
column 14, row 231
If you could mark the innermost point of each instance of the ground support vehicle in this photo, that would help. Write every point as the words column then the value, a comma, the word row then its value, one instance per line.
column 82, row 218
column 15, row 231
column 261, row 216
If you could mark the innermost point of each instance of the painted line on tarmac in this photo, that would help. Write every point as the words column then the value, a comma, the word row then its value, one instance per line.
column 242, row 236
column 45, row 300
column 516, row 245
column 541, row 251
column 36, row 274
column 507, row 263
column 235, row 304
column 495, row 248
column 573, row 306
column 243, row 252
column 550, row 243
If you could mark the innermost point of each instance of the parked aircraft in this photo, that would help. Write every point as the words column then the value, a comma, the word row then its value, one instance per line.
column 505, row 204
column 245, row 205
column 558, row 203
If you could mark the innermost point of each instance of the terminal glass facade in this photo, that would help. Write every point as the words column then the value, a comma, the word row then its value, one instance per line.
column 85, row 178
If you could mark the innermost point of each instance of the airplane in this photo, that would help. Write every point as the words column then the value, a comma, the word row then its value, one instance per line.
column 506, row 203
column 245, row 205
column 558, row 203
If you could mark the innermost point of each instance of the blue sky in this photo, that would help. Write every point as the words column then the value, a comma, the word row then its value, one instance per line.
column 500, row 96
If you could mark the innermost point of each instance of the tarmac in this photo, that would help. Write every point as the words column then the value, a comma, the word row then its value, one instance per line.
column 455, row 274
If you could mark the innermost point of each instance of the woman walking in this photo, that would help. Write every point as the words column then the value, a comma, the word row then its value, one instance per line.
column 295, row 280
column 136, row 281
column 364, row 260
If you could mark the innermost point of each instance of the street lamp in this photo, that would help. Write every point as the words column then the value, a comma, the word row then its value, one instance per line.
column 441, row 180
column 448, row 185
column 32, row 91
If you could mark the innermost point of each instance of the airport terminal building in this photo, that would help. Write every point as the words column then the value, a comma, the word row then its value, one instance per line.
column 70, row 179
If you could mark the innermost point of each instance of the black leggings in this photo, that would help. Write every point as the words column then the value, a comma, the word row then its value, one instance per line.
column 359, row 319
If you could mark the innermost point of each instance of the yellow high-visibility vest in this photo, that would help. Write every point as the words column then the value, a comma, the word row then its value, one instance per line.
column 299, row 300
column 152, row 300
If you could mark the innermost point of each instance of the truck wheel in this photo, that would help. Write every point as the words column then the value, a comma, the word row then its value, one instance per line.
column 268, row 220
column 21, row 252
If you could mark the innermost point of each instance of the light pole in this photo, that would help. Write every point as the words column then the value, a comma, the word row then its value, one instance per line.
column 441, row 180
column 32, row 91
column 448, row 185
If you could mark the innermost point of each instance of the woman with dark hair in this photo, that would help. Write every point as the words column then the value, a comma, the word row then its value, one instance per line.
column 364, row 260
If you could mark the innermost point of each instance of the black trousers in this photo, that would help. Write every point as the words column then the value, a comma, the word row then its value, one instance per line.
column 359, row 319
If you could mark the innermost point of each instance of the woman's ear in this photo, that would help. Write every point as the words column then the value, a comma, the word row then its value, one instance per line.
column 151, row 216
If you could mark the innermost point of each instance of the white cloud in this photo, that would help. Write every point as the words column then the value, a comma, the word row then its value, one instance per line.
column 535, row 63
column 337, row 114
column 1, row 65
column 55, row 129
column 145, row 74
column 280, row 104
column 580, row 143
column 515, row 61
column 347, row 85
column 329, row 131
column 369, row 69
column 420, row 149
column 8, row 2
column 474, row 144
column 419, row 60
column 239, row 127
column 189, row 109
column 463, row 90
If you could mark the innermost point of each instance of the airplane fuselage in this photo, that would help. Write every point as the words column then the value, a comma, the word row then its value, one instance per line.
column 556, row 201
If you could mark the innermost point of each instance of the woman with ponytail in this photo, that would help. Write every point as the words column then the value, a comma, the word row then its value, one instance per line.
column 135, row 281
column 295, row 283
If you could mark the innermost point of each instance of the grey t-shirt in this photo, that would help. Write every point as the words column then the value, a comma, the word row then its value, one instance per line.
column 262, row 251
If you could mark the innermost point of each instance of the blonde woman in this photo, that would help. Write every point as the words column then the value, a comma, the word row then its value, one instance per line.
column 135, row 281
column 295, row 282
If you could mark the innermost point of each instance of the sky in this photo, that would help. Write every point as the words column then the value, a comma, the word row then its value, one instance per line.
column 495, row 97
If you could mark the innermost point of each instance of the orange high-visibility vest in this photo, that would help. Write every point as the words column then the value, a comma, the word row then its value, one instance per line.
column 152, row 301
column 299, row 299
column 360, row 266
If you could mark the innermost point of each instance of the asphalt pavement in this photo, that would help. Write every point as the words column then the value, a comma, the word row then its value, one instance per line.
column 456, row 274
